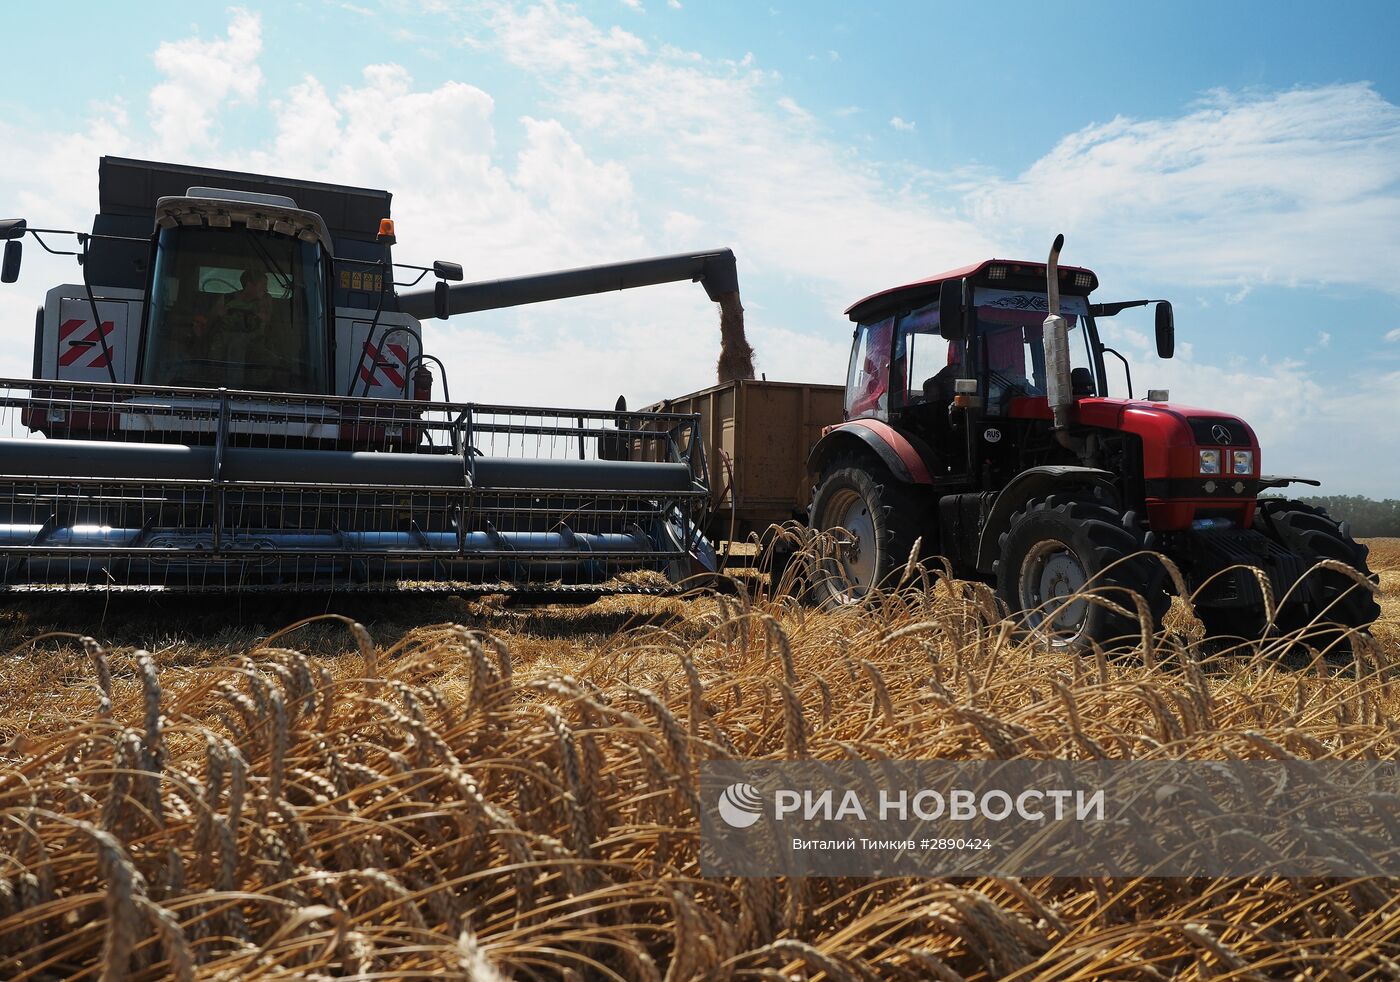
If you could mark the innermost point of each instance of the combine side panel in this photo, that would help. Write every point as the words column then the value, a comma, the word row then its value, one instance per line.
column 70, row 348
column 374, row 364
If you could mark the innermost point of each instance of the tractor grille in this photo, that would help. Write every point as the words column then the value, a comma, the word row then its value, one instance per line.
column 1207, row 431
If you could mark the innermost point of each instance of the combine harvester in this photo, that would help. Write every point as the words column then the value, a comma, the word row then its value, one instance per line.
column 236, row 397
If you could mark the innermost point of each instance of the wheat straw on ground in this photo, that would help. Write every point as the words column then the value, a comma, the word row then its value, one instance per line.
column 505, row 795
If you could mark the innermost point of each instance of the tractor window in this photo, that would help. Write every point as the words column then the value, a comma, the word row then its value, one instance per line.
column 924, row 362
column 1009, row 331
column 235, row 308
column 868, row 381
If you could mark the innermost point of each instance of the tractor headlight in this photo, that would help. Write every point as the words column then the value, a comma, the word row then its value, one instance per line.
column 1210, row 461
column 1242, row 462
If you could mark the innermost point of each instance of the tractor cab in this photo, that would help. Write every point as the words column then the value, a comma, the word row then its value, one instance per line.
column 915, row 370
column 906, row 362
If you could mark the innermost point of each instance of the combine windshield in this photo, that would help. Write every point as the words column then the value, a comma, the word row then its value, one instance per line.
column 239, row 309
column 1009, row 325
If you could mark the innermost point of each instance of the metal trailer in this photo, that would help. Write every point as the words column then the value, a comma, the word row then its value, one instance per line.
column 756, row 436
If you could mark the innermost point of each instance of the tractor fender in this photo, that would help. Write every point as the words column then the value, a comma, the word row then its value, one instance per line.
column 894, row 449
column 1033, row 482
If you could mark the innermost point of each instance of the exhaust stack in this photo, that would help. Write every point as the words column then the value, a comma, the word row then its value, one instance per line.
column 1055, row 335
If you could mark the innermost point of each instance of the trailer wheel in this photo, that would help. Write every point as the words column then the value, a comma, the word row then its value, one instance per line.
column 1338, row 604
column 1060, row 547
column 884, row 518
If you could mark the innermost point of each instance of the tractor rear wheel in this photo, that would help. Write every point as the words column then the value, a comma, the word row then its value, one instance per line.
column 884, row 518
column 1341, row 605
column 1059, row 549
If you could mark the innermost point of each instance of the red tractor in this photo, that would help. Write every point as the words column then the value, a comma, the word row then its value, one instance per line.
column 978, row 423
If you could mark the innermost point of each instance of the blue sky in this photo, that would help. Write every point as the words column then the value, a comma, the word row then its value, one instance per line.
column 1241, row 159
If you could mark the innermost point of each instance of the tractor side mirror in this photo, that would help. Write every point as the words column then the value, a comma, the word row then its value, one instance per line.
column 9, row 268
column 12, row 228
column 440, row 308
column 1166, row 330
column 447, row 271
column 950, row 310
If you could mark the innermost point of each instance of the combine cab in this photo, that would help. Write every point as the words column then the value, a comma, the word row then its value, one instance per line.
column 236, row 397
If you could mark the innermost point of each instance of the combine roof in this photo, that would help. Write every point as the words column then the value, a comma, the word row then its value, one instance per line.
column 127, row 191
column 888, row 301
column 131, row 188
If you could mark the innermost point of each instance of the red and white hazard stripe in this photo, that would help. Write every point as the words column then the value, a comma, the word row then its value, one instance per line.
column 79, row 348
column 393, row 371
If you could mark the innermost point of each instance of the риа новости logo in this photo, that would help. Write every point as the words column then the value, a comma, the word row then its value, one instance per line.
column 740, row 805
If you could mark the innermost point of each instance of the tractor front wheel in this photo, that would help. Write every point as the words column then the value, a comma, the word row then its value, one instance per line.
column 1059, row 551
column 1337, row 606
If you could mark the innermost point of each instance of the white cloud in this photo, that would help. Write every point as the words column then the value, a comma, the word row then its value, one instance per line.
column 1240, row 295
column 1393, row 335
column 788, row 105
column 791, row 201
column 634, row 5
column 901, row 124
column 1296, row 187
column 533, row 40
column 455, row 197
column 199, row 77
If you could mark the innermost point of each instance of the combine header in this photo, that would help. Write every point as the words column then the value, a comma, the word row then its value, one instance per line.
column 236, row 397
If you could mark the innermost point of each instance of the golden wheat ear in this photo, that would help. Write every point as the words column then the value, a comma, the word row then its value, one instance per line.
column 517, row 794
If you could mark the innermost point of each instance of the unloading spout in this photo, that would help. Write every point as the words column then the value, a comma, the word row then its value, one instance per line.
column 715, row 270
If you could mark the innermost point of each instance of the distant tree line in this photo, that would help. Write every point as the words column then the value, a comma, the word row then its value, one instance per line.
column 1367, row 516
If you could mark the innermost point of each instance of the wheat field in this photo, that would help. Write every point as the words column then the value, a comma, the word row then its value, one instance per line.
column 510, row 794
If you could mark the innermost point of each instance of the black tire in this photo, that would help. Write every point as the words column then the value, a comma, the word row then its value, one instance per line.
column 890, row 515
column 1337, row 602
column 1046, row 541
column 1233, row 625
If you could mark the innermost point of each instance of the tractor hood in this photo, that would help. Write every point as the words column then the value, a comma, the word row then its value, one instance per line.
column 1173, row 423
column 1171, row 434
